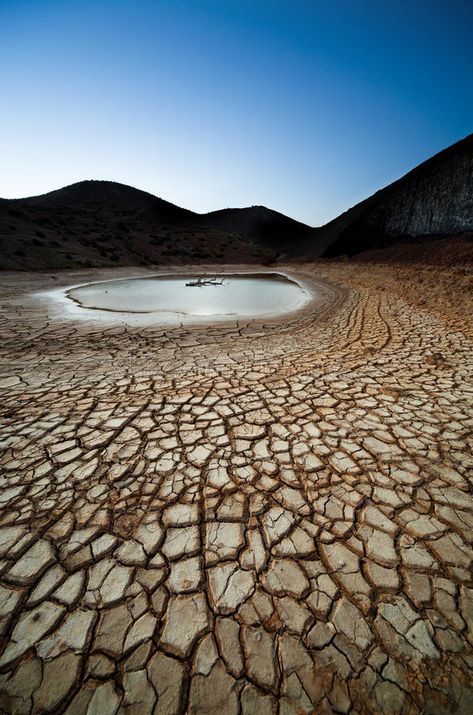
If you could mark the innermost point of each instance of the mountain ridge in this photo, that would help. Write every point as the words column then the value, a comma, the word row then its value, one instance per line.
column 100, row 223
column 434, row 199
column 105, row 223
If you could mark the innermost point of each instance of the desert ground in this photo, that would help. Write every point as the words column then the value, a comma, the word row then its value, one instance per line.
column 255, row 517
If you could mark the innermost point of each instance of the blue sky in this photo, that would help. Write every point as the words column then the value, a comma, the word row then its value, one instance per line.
column 305, row 107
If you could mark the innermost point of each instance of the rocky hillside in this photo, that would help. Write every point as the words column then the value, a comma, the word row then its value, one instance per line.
column 270, row 228
column 433, row 200
column 102, row 223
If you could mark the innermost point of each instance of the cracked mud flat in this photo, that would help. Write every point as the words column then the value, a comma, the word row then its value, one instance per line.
column 263, row 517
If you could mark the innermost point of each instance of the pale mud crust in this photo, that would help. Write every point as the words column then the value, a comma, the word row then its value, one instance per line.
column 257, row 517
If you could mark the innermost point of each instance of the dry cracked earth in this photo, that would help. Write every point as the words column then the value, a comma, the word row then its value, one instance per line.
column 262, row 517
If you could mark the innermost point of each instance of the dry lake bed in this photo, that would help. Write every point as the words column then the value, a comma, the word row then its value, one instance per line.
column 265, row 515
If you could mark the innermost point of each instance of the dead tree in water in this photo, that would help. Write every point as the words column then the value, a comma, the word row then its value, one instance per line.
column 213, row 281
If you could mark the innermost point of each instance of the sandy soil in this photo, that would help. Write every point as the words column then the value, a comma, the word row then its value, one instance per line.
column 263, row 517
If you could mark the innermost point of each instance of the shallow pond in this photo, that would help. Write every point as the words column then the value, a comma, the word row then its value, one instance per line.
column 250, row 294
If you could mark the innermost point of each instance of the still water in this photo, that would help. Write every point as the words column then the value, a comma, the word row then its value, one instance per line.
column 237, row 294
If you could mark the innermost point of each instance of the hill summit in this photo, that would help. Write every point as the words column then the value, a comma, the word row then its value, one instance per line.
column 103, row 223
column 434, row 200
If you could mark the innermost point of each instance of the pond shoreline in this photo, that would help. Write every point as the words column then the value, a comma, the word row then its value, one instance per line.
column 67, row 302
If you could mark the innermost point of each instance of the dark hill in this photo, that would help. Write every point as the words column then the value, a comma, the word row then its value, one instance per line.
column 434, row 200
column 271, row 228
column 106, row 196
column 102, row 223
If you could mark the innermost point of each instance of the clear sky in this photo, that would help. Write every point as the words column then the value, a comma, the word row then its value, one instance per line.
column 303, row 106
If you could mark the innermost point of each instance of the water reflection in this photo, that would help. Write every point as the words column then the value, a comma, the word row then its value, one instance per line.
column 248, row 294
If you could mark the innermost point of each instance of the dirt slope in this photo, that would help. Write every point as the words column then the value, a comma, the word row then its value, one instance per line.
column 433, row 200
column 102, row 223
